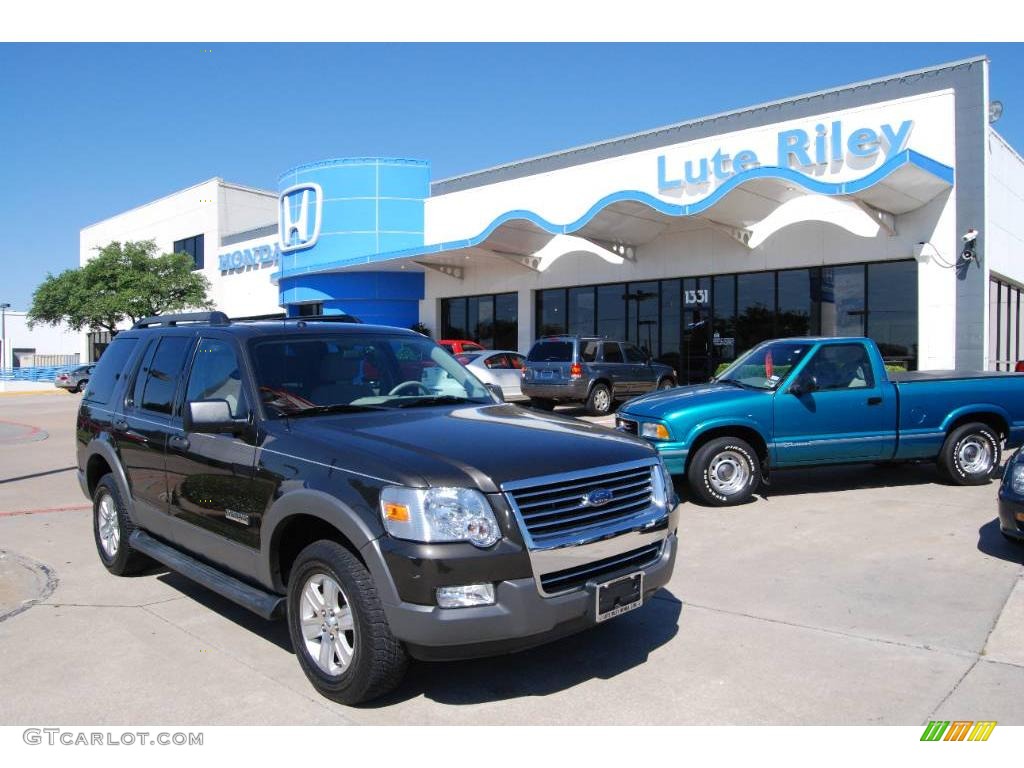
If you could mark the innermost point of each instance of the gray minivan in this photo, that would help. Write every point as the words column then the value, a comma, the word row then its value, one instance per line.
column 591, row 370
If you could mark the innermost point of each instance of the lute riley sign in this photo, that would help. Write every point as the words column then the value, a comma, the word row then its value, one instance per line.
column 827, row 145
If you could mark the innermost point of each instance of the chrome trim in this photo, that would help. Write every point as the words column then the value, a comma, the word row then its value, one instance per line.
column 579, row 548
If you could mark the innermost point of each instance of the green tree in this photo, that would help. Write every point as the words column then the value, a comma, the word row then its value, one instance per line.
column 125, row 281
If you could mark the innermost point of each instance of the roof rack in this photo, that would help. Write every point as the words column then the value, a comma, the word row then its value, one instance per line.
column 343, row 318
column 211, row 318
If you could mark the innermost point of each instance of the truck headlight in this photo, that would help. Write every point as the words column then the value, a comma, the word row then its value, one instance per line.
column 433, row 515
column 1017, row 479
column 654, row 431
column 661, row 482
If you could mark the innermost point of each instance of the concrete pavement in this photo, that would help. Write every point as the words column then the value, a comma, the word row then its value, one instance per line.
column 847, row 595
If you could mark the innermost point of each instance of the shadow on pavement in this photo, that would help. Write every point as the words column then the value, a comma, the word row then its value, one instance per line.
column 992, row 542
column 601, row 652
column 792, row 482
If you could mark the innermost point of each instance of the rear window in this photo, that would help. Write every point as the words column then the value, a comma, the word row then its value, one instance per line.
column 109, row 369
column 551, row 351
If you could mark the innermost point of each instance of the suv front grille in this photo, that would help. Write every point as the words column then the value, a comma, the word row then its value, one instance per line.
column 573, row 578
column 556, row 510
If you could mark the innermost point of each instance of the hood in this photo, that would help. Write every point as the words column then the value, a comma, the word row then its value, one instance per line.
column 665, row 403
column 488, row 444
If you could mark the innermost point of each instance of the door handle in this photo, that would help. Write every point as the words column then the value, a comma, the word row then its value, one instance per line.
column 179, row 442
column 874, row 400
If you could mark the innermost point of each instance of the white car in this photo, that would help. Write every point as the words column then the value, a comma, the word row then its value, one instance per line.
column 495, row 366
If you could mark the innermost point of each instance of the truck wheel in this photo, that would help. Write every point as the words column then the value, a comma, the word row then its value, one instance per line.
column 599, row 401
column 338, row 627
column 724, row 472
column 81, row 386
column 542, row 404
column 970, row 455
column 111, row 529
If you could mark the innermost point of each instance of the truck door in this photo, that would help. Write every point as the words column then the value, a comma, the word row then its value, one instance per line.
column 837, row 409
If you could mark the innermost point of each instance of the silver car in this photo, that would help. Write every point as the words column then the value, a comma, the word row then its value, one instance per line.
column 74, row 380
column 502, row 368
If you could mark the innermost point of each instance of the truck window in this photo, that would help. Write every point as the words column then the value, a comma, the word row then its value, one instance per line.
column 109, row 369
column 611, row 353
column 842, row 366
column 162, row 374
column 215, row 376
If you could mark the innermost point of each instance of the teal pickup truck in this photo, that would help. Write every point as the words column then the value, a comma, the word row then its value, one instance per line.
column 809, row 401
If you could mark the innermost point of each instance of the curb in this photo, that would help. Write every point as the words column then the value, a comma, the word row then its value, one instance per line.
column 27, row 392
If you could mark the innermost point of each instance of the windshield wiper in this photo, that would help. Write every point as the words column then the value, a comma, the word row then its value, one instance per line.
column 437, row 400
column 317, row 410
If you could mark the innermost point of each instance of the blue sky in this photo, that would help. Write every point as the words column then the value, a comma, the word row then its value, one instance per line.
column 87, row 131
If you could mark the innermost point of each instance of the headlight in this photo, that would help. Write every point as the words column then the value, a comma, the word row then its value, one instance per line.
column 1017, row 479
column 654, row 431
column 662, row 485
column 439, row 514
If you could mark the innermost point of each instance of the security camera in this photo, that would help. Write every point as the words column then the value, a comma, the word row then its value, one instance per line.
column 970, row 235
column 970, row 238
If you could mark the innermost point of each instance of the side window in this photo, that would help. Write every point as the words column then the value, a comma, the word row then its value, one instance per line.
column 497, row 361
column 161, row 377
column 518, row 361
column 588, row 351
column 634, row 355
column 109, row 370
column 842, row 366
column 611, row 353
column 216, row 375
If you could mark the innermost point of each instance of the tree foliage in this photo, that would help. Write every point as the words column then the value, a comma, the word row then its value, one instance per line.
column 125, row 281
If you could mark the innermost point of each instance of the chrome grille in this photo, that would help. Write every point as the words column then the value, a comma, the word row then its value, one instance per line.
column 573, row 578
column 559, row 509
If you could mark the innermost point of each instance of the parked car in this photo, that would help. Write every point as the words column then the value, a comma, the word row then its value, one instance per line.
column 74, row 380
column 1011, row 499
column 1019, row 368
column 801, row 402
column 304, row 471
column 458, row 346
column 590, row 370
column 502, row 368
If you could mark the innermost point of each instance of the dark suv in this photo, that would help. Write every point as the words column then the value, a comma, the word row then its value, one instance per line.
column 360, row 482
column 586, row 369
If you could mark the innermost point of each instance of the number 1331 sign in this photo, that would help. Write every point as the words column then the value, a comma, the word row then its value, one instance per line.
column 700, row 296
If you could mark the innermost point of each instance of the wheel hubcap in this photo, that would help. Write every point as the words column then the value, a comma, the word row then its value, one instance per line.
column 729, row 473
column 110, row 531
column 975, row 455
column 327, row 627
column 601, row 400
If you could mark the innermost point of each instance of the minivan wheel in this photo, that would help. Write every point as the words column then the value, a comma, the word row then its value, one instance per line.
column 970, row 455
column 338, row 628
column 724, row 472
column 542, row 404
column 599, row 402
column 111, row 529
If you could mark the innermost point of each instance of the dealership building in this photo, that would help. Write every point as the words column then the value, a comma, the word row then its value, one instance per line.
column 889, row 208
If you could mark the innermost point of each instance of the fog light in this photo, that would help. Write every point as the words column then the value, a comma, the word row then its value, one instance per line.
column 1018, row 479
column 466, row 596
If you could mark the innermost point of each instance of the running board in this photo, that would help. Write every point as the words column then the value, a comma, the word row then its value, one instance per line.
column 264, row 604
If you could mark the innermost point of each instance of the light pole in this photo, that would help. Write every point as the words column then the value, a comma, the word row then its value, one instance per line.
column 4, row 306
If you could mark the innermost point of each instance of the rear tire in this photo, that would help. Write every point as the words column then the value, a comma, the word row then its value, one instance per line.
column 80, row 387
column 599, row 401
column 724, row 472
column 542, row 404
column 362, row 659
column 111, row 529
column 971, row 454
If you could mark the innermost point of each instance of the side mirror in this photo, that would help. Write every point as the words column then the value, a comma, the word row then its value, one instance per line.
column 212, row 416
column 496, row 392
column 803, row 386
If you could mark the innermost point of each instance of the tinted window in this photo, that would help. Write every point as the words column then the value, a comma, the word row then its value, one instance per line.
column 841, row 366
column 634, row 355
column 588, row 351
column 162, row 374
column 611, row 352
column 215, row 376
column 551, row 351
column 109, row 369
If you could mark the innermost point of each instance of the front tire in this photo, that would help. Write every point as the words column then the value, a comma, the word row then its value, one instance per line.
column 724, row 472
column 599, row 401
column 971, row 454
column 111, row 529
column 338, row 628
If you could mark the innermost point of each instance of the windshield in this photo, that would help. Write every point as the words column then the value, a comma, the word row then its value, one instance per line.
column 306, row 375
column 765, row 366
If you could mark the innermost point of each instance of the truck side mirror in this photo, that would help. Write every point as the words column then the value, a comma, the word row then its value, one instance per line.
column 211, row 416
column 803, row 386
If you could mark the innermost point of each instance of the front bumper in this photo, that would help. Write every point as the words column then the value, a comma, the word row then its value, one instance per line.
column 521, row 617
column 1011, row 516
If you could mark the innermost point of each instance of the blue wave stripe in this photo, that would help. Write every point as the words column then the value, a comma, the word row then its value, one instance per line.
column 906, row 157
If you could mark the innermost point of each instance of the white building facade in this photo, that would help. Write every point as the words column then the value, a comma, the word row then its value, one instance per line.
column 888, row 208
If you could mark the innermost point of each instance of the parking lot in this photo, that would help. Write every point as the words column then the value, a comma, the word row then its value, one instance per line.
column 853, row 595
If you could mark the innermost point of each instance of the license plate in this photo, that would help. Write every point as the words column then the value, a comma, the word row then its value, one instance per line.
column 546, row 375
column 620, row 596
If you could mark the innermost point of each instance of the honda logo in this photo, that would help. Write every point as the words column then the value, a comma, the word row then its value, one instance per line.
column 300, row 210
